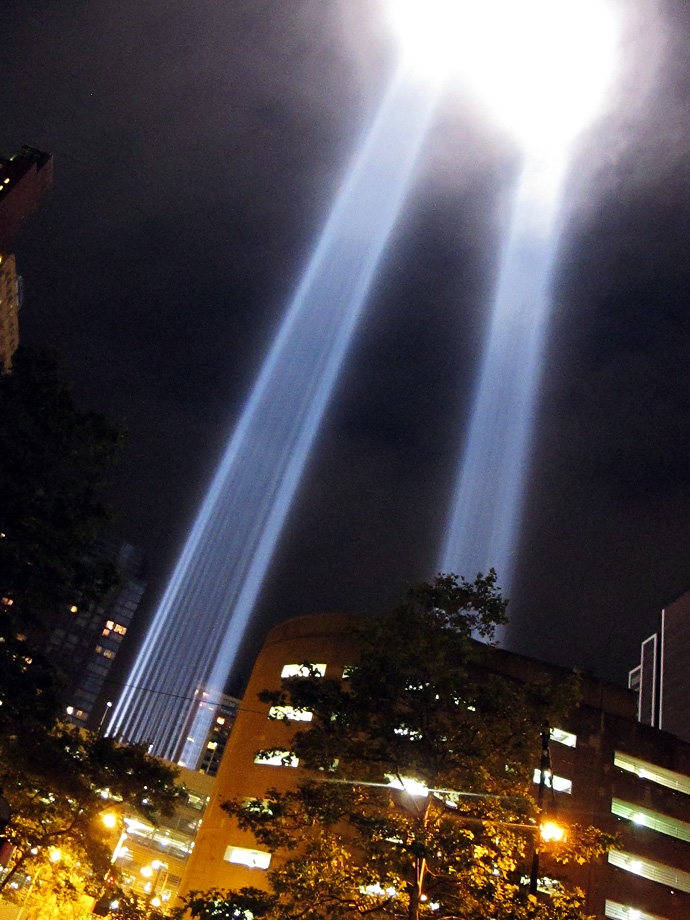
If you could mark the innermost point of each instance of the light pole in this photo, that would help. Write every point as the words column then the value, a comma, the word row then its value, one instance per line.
column 108, row 707
column 545, row 764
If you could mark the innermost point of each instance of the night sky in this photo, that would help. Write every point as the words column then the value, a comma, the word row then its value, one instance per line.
column 197, row 146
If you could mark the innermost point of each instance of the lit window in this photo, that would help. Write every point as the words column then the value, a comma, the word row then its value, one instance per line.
column 654, row 820
column 110, row 624
column 348, row 671
column 254, row 859
column 377, row 891
column 557, row 783
column 650, row 869
column 562, row 737
column 108, row 653
column 617, row 911
column 73, row 608
column 407, row 784
column 212, row 745
column 412, row 733
column 277, row 759
column 120, row 630
column 287, row 712
column 220, row 720
column 302, row 670
column 106, row 632
column 645, row 770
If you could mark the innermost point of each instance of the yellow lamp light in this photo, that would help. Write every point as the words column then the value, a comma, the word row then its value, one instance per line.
column 552, row 831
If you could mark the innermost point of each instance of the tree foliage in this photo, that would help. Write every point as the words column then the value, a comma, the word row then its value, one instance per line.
column 357, row 836
column 57, row 779
column 53, row 461
column 59, row 785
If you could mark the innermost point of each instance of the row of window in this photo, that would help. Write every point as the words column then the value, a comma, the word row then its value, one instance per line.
column 654, row 820
column 112, row 626
column 645, row 868
column 617, row 911
column 651, row 869
column 308, row 669
column 660, row 775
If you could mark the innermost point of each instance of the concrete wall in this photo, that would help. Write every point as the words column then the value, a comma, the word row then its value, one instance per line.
column 317, row 639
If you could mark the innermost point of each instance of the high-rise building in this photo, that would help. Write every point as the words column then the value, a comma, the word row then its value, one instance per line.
column 607, row 769
column 10, row 301
column 23, row 179
column 662, row 678
column 223, row 714
column 85, row 641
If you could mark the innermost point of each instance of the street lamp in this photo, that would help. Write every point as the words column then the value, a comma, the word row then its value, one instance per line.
column 108, row 707
column 549, row 830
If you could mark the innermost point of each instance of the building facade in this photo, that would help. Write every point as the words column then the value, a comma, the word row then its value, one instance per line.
column 85, row 642
column 152, row 857
column 607, row 769
column 225, row 856
column 10, row 302
column 23, row 179
column 224, row 711
column 661, row 680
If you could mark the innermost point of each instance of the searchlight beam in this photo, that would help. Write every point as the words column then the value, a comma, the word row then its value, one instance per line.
column 199, row 624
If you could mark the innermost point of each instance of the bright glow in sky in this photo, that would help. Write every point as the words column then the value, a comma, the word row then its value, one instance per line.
column 542, row 67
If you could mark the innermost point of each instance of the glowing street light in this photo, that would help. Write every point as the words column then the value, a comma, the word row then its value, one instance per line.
column 110, row 820
column 549, row 830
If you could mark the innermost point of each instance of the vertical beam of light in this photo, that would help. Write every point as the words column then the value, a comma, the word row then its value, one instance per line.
column 199, row 624
column 481, row 532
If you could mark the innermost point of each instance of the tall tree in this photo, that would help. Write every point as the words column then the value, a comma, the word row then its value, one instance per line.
column 419, row 800
column 53, row 461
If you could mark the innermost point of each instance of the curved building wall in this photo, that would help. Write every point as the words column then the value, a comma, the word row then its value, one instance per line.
column 318, row 639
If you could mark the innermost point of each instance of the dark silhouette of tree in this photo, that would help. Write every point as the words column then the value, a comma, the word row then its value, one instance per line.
column 53, row 461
